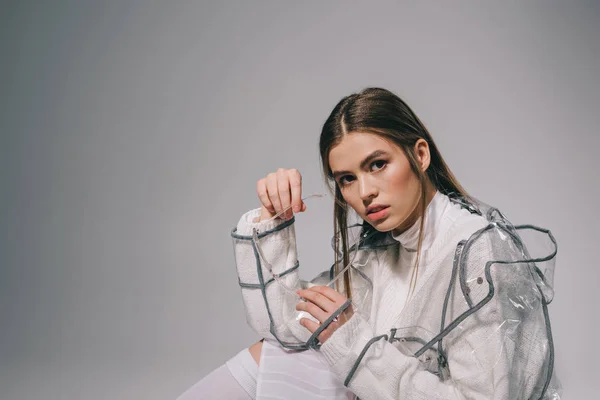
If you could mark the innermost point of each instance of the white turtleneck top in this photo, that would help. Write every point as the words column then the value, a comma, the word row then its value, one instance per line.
column 439, row 215
column 446, row 223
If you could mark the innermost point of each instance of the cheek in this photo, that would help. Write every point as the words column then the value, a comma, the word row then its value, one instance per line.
column 400, row 180
column 352, row 199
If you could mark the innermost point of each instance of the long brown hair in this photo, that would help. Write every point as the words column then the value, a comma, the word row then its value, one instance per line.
column 381, row 112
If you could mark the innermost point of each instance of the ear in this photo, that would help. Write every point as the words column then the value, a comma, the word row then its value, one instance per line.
column 422, row 154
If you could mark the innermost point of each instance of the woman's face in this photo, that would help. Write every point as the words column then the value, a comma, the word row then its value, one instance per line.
column 375, row 179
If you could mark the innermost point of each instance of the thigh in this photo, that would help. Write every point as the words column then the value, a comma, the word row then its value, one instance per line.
column 297, row 375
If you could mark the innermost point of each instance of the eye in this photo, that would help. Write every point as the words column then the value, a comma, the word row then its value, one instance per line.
column 378, row 165
column 345, row 180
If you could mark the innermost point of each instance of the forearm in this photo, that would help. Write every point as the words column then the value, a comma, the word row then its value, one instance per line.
column 384, row 372
column 270, row 308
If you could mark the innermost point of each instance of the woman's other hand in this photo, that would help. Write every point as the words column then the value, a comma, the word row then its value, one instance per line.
column 322, row 302
column 277, row 191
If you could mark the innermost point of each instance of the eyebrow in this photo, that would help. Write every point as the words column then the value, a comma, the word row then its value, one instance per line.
column 363, row 163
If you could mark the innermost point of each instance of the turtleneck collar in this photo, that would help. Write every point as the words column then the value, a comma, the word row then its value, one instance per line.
column 409, row 239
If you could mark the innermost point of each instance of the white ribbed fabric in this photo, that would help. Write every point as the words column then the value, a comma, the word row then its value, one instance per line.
column 391, row 374
column 292, row 375
column 244, row 369
column 306, row 374
column 439, row 216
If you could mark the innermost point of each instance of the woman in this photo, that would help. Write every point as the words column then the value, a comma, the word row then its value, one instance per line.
column 447, row 301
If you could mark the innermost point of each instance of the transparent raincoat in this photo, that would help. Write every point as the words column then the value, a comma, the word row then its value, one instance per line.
column 478, row 327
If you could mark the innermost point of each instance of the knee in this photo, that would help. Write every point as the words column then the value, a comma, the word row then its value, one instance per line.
column 255, row 350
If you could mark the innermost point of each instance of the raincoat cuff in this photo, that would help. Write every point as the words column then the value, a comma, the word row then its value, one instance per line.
column 246, row 223
column 356, row 332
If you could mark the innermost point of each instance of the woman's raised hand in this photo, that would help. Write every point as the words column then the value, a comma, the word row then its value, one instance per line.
column 278, row 190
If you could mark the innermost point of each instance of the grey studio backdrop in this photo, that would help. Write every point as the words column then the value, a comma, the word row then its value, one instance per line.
column 133, row 133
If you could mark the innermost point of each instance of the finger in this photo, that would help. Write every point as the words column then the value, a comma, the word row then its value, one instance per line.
column 319, row 299
column 313, row 310
column 261, row 189
column 272, row 191
column 327, row 332
column 303, row 207
column 312, row 326
column 330, row 294
column 296, row 188
column 283, row 187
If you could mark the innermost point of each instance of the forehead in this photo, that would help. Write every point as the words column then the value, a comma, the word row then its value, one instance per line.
column 355, row 146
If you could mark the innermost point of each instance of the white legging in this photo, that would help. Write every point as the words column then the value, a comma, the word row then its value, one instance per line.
column 235, row 380
column 282, row 374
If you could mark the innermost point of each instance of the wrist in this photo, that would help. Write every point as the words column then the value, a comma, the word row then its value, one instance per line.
column 264, row 214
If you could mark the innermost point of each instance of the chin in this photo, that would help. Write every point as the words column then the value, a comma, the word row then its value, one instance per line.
column 383, row 226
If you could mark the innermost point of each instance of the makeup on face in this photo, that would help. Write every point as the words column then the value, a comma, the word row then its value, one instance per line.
column 375, row 178
column 375, row 216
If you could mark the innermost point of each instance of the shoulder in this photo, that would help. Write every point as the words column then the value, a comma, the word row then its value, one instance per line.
column 474, row 219
column 459, row 223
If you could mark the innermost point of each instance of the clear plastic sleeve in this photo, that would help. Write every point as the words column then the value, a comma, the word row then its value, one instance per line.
column 490, row 330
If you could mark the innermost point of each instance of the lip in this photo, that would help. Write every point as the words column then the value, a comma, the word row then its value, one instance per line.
column 376, row 206
column 375, row 216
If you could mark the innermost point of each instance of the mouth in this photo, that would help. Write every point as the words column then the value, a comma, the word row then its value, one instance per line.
column 378, row 213
column 376, row 209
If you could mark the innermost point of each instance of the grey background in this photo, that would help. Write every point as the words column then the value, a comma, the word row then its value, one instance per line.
column 132, row 135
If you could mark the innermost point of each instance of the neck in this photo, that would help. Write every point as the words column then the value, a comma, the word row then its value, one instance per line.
column 417, row 212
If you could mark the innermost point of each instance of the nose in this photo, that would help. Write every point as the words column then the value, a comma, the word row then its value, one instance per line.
column 367, row 189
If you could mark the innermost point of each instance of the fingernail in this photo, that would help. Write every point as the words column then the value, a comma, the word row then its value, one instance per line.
column 296, row 208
